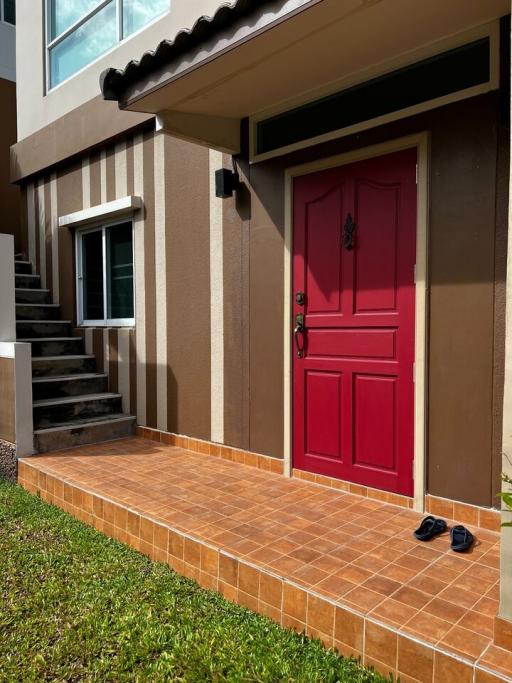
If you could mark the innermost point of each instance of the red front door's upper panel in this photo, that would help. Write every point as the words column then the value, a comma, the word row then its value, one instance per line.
column 353, row 391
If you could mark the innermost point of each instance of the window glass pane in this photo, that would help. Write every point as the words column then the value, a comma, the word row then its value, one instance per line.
column 92, row 270
column 120, row 272
column 82, row 46
column 10, row 11
column 137, row 13
column 63, row 13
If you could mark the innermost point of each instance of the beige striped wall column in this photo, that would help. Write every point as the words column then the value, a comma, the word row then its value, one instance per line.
column 123, row 334
column 88, row 336
column 140, row 304
column 160, row 283
column 31, row 223
column 86, row 183
column 41, row 227
column 216, row 304
column 121, row 172
column 54, row 238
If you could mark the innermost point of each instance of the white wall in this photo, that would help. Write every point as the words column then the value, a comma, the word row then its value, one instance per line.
column 7, row 295
column 35, row 109
column 23, row 419
column 7, row 52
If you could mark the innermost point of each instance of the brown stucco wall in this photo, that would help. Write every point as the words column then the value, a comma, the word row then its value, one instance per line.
column 188, row 288
column 94, row 123
column 7, row 392
column 9, row 194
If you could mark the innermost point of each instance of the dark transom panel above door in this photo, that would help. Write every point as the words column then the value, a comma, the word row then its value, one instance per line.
column 353, row 313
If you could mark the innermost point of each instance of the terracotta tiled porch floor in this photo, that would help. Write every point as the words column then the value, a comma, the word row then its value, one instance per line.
column 342, row 567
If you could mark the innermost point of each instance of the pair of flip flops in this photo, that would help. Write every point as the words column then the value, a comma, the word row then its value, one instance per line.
column 462, row 538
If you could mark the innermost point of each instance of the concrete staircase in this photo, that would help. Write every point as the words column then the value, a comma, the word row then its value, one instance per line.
column 71, row 402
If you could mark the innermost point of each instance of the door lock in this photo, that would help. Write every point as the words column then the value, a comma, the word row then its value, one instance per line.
column 300, row 299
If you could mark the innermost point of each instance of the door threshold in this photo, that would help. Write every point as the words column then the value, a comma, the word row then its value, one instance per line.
column 357, row 489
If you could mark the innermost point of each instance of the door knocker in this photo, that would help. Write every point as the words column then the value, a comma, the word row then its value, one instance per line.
column 348, row 233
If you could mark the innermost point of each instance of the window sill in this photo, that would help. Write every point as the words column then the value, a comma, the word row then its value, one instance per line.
column 110, row 210
column 128, row 323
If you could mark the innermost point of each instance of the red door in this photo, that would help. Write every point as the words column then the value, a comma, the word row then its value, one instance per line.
column 353, row 262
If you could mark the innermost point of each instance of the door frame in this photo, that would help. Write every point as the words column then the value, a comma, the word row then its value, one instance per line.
column 420, row 141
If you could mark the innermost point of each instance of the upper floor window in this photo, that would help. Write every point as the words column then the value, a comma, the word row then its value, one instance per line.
column 80, row 31
column 8, row 11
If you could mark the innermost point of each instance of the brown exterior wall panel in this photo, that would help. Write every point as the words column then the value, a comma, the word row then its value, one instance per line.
column 266, row 288
column 69, row 199
column 10, row 199
column 462, row 303
column 37, row 211
column 133, row 372
column 188, row 288
column 7, row 395
column 23, row 236
column 235, row 223
column 98, row 348
column 48, row 234
column 92, row 124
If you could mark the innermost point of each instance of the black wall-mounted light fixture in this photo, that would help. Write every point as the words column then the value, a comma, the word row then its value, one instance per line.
column 226, row 182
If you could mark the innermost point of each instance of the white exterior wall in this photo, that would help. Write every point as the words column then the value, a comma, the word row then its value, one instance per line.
column 37, row 109
column 7, row 52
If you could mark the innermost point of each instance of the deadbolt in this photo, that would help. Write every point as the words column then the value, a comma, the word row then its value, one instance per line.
column 299, row 298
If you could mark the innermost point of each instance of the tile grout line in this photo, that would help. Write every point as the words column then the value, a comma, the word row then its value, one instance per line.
column 202, row 543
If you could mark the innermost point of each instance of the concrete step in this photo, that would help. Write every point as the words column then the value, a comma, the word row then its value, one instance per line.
column 37, row 311
column 59, row 411
column 55, row 366
column 24, row 267
column 25, row 295
column 55, row 346
column 69, row 385
column 27, row 281
column 81, row 432
column 29, row 329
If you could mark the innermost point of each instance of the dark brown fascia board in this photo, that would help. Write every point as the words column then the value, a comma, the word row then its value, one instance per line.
column 115, row 84
column 92, row 125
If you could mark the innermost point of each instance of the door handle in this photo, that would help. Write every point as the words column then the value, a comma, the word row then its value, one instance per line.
column 298, row 334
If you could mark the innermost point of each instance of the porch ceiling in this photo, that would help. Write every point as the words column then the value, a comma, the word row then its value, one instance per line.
column 288, row 51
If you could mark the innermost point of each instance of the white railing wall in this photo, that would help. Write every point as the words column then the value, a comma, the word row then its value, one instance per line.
column 20, row 353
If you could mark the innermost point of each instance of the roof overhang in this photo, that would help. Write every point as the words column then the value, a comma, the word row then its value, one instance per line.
column 257, row 56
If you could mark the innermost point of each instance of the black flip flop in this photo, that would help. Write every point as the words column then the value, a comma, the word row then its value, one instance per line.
column 462, row 538
column 429, row 528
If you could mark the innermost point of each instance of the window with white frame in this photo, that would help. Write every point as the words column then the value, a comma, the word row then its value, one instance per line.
column 80, row 31
column 105, row 275
column 8, row 11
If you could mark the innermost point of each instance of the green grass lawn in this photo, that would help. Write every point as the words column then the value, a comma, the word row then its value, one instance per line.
column 77, row 606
